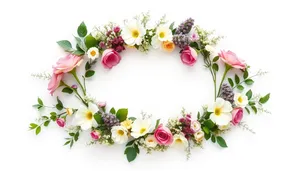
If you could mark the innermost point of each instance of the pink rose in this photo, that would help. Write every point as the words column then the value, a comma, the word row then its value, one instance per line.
column 95, row 134
column 67, row 64
column 189, row 56
column 163, row 135
column 110, row 58
column 231, row 59
column 60, row 122
column 54, row 82
column 237, row 115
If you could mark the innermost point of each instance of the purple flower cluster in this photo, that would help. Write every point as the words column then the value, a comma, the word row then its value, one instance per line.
column 186, row 126
column 114, row 40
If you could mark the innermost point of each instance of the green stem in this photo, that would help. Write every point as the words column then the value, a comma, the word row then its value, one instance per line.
column 75, row 90
column 227, row 68
column 244, row 81
column 73, row 72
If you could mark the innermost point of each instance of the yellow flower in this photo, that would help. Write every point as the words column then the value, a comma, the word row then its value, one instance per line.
column 127, row 124
column 168, row 46
column 69, row 111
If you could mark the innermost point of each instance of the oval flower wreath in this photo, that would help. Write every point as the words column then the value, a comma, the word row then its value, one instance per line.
column 115, row 126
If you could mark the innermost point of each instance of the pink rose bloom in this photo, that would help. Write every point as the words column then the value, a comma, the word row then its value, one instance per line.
column 231, row 59
column 188, row 56
column 60, row 122
column 163, row 135
column 67, row 64
column 54, row 82
column 237, row 115
column 95, row 134
column 110, row 58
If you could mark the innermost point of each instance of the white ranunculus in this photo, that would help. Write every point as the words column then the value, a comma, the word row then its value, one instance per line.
column 150, row 141
column 179, row 140
column 199, row 136
column 221, row 112
column 240, row 100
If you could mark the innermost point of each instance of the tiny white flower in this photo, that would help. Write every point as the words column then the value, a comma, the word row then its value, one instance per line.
column 133, row 33
column 221, row 112
column 150, row 141
column 141, row 127
column 209, row 48
column 119, row 134
column 240, row 100
column 199, row 136
column 85, row 116
column 93, row 53
column 195, row 126
column 96, row 34
column 224, row 127
column 180, row 140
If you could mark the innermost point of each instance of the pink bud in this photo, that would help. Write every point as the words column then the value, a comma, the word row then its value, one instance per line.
column 74, row 86
column 95, row 134
column 60, row 122
column 117, row 29
column 101, row 104
column 102, row 45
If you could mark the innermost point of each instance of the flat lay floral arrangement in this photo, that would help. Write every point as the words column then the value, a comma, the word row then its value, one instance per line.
column 106, row 125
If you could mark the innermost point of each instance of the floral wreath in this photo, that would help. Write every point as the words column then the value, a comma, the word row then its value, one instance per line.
column 114, row 126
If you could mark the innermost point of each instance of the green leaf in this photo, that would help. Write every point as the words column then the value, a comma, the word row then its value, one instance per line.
column 249, row 94
column 207, row 136
column 130, row 143
column 72, row 143
column 38, row 106
column 251, row 103
column 246, row 74
column 249, row 81
column 66, row 45
column 40, row 102
column 132, row 118
column 213, row 139
column 88, row 66
column 46, row 123
column 72, row 134
column 248, row 111
column 240, row 87
column 90, row 41
column 89, row 73
column 53, row 114
column 137, row 148
column 237, row 79
column 216, row 58
column 78, row 52
column 215, row 67
column 122, row 114
column 172, row 26
column 206, row 130
column 81, row 30
column 80, row 43
column 33, row 126
column 194, row 45
column 254, row 109
column 131, row 153
column 59, row 107
column 112, row 111
column 157, row 123
column 38, row 130
column 230, row 82
column 67, row 90
column 221, row 142
column 209, row 124
column 198, row 115
column 264, row 99
column 98, row 118
column 76, row 136
column 68, row 142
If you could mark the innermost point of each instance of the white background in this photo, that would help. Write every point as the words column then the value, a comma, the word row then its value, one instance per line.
column 264, row 33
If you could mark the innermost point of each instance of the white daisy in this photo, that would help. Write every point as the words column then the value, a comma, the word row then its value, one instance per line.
column 179, row 139
column 93, row 53
column 119, row 134
column 150, row 141
column 141, row 127
column 240, row 100
column 133, row 33
column 163, row 33
column 85, row 117
column 221, row 112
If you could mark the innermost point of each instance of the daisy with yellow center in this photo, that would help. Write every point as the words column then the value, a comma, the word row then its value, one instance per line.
column 221, row 112
column 180, row 140
column 127, row 124
column 93, row 53
column 85, row 117
column 163, row 34
column 141, row 127
column 119, row 134
column 150, row 141
column 133, row 33
column 240, row 100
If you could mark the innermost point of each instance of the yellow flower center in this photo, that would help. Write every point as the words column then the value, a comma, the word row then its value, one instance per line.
column 142, row 130
column 135, row 33
column 120, row 132
column 162, row 34
column 89, row 115
column 240, row 99
column 93, row 53
column 178, row 140
column 218, row 111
